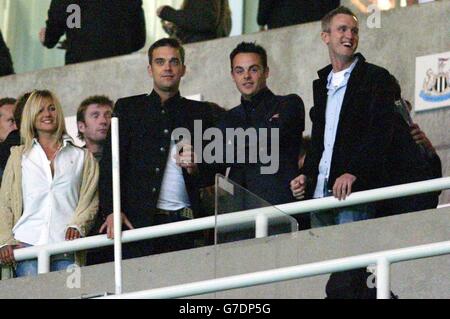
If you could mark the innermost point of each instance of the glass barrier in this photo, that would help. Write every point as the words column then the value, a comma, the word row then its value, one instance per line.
column 253, row 218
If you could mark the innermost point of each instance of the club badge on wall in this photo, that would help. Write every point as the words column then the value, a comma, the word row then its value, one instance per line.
column 432, row 81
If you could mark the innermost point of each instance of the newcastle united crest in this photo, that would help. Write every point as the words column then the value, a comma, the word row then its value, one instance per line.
column 432, row 82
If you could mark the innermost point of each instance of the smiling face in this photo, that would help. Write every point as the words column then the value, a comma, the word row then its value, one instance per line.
column 166, row 69
column 46, row 120
column 249, row 74
column 342, row 38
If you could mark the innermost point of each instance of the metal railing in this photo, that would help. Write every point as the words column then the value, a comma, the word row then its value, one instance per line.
column 382, row 260
column 44, row 252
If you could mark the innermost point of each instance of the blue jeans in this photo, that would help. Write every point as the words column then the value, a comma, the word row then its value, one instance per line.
column 30, row 267
column 343, row 215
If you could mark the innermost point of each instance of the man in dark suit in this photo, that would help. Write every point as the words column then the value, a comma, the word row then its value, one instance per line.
column 283, row 13
column 6, row 64
column 353, row 124
column 261, row 109
column 160, row 177
column 106, row 28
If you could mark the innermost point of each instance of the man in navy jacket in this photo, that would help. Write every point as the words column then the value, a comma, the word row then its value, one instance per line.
column 261, row 110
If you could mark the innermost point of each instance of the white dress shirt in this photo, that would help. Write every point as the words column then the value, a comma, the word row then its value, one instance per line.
column 173, row 195
column 49, row 202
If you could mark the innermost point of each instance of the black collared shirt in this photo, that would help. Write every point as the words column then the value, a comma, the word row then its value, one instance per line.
column 255, row 101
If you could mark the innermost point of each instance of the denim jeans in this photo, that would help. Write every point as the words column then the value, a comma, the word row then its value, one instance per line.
column 30, row 267
column 343, row 215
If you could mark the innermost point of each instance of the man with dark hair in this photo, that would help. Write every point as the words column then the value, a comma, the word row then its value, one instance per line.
column 282, row 117
column 352, row 118
column 106, row 28
column 7, row 123
column 160, row 179
column 93, row 122
column 6, row 64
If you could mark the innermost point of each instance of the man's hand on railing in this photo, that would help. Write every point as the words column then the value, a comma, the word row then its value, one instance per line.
column 109, row 225
column 7, row 254
column 72, row 234
column 343, row 186
column 298, row 187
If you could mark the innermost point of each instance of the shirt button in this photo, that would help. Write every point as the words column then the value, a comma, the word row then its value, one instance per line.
column 157, row 170
column 162, row 149
column 154, row 190
column 163, row 112
column 166, row 131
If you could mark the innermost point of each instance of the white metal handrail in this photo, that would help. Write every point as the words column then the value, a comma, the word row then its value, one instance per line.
column 44, row 252
column 383, row 260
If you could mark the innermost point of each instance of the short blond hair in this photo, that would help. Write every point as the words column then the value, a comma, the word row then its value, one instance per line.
column 326, row 20
column 31, row 110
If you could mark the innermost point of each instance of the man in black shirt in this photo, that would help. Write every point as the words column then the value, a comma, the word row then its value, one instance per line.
column 263, row 111
column 160, row 179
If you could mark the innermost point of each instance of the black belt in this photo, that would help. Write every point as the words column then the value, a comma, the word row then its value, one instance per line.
column 185, row 212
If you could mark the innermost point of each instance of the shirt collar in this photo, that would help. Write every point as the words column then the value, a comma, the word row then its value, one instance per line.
column 66, row 139
column 257, row 98
column 347, row 73
column 169, row 103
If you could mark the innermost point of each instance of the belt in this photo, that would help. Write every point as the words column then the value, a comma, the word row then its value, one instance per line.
column 185, row 212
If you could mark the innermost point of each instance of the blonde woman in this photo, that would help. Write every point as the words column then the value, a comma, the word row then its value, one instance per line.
column 197, row 20
column 49, row 187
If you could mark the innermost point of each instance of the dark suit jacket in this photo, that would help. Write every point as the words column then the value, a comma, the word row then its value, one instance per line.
column 283, row 13
column 6, row 64
column 145, row 135
column 365, row 129
column 285, row 113
column 108, row 28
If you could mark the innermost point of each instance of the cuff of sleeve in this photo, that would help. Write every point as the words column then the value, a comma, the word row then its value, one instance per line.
column 77, row 228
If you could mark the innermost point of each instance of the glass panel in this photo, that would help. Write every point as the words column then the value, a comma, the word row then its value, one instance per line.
column 255, row 218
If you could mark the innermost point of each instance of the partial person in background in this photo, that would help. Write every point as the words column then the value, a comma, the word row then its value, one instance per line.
column 13, row 138
column 7, row 123
column 49, row 189
column 411, row 158
column 197, row 20
column 364, row 6
column 6, row 64
column 93, row 122
column 107, row 28
column 283, row 13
